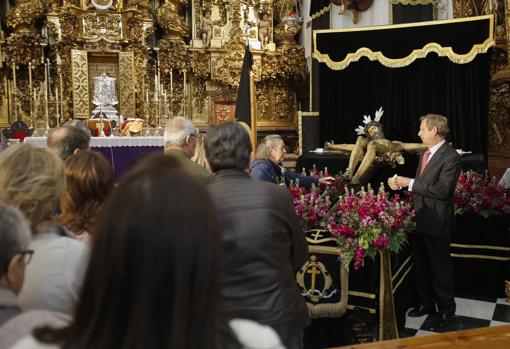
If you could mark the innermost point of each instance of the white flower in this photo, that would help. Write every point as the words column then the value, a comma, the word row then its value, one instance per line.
column 360, row 130
column 378, row 114
column 366, row 119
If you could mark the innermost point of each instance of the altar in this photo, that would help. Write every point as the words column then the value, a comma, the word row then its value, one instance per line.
column 121, row 152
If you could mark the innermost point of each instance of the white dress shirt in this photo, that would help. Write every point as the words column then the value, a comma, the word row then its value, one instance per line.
column 432, row 151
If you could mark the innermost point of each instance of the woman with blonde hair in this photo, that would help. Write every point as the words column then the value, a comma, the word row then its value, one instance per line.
column 32, row 179
column 89, row 180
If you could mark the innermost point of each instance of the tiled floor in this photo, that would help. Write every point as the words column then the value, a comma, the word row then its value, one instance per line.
column 470, row 313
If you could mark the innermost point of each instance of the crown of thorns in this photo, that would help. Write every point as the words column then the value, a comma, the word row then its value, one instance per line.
column 367, row 119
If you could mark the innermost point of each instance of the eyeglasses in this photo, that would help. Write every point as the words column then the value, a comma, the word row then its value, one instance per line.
column 26, row 256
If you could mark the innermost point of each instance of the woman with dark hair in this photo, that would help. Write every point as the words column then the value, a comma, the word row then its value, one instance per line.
column 89, row 179
column 153, row 276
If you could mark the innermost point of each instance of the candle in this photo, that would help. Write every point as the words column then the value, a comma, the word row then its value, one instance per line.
column 30, row 86
column 155, row 86
column 49, row 76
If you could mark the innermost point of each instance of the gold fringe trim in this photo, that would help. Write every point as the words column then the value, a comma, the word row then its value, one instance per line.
column 321, row 12
column 413, row 2
column 418, row 53
column 404, row 62
column 479, row 256
column 485, row 247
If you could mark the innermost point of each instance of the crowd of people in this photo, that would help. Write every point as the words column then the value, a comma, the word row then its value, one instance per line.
column 193, row 248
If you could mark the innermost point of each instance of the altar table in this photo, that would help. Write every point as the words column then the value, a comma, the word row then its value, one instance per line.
column 122, row 152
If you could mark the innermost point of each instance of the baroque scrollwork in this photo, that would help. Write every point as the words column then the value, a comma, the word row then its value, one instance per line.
column 25, row 14
column 169, row 17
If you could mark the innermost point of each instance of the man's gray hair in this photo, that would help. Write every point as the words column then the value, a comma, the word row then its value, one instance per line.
column 15, row 235
column 66, row 139
column 177, row 130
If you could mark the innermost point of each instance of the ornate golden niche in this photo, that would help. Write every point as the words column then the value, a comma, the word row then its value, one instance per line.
column 160, row 73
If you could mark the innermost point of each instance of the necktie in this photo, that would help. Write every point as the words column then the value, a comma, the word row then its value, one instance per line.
column 424, row 161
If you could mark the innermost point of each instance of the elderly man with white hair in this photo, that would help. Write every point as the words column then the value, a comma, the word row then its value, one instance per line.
column 180, row 141
column 14, row 255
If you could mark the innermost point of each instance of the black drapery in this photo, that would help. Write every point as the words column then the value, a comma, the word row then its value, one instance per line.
column 406, row 84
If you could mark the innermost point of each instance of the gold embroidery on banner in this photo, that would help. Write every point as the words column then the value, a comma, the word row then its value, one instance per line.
column 402, row 278
column 310, row 113
column 362, row 294
column 485, row 247
column 415, row 54
column 321, row 12
column 402, row 267
column 413, row 2
column 370, row 310
column 479, row 256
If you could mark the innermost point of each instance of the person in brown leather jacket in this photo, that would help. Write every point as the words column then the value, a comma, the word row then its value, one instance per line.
column 263, row 242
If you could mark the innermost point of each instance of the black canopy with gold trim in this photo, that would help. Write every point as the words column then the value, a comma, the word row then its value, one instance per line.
column 397, row 46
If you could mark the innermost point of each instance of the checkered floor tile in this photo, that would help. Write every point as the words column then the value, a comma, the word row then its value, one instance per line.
column 470, row 313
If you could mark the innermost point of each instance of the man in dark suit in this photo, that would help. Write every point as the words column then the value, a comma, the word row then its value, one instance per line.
column 263, row 242
column 433, row 189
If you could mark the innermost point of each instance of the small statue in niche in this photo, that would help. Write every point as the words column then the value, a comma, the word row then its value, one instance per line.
column 206, row 29
column 264, row 30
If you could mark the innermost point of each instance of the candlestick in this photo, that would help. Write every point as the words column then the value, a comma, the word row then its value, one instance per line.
column 14, row 92
column 46, row 113
column 30, row 87
column 171, row 90
column 184, row 94
column 57, row 107
column 61, row 95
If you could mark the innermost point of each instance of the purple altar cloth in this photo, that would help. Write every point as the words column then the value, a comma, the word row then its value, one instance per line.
column 123, row 158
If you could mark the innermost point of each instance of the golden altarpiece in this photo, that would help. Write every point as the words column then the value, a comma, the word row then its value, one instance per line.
column 169, row 58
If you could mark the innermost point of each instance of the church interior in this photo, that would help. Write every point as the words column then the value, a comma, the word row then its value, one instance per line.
column 130, row 71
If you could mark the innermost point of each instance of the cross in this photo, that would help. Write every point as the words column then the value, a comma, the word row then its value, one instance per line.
column 313, row 270
column 316, row 235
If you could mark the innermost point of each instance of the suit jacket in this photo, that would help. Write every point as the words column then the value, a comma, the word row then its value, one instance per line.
column 263, row 246
column 433, row 192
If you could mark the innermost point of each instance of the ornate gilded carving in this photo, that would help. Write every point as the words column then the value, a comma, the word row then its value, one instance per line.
column 499, row 118
column 170, row 19
column 229, row 72
column 102, row 25
column 290, row 63
column 126, row 84
column 200, row 68
column 22, row 48
column 80, row 84
column 174, row 55
column 286, row 30
column 275, row 102
column 25, row 14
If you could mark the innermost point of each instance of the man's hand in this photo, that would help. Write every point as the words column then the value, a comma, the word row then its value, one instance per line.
column 398, row 182
column 391, row 182
column 326, row 180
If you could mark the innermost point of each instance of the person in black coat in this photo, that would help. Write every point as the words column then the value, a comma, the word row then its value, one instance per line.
column 267, row 167
column 433, row 189
column 263, row 242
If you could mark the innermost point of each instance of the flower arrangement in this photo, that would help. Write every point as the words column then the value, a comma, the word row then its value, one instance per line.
column 313, row 205
column 366, row 222
column 479, row 194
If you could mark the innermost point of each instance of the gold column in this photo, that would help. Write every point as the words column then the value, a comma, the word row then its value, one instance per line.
column 80, row 78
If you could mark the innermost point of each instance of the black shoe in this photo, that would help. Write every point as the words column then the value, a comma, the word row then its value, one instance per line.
column 445, row 320
column 420, row 311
